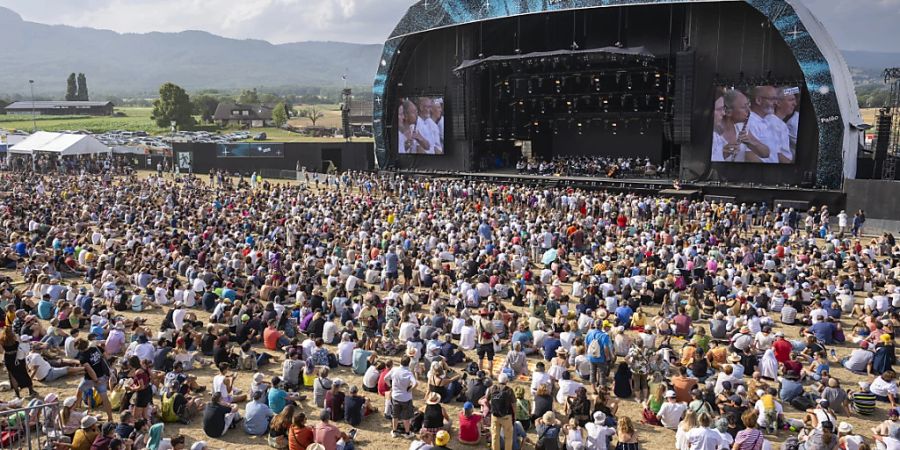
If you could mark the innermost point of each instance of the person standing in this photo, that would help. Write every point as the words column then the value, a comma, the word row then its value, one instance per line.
column 96, row 373
column 599, row 349
column 502, row 402
column 402, row 381
column 15, row 366
column 485, row 329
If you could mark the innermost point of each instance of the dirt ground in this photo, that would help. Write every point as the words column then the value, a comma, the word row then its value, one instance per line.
column 374, row 432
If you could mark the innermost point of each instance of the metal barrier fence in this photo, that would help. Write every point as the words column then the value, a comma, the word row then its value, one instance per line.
column 279, row 174
column 34, row 427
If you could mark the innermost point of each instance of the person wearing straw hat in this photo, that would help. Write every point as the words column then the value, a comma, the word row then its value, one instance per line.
column 435, row 417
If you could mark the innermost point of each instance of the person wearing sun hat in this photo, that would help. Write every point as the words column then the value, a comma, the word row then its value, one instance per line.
column 548, row 430
column 435, row 417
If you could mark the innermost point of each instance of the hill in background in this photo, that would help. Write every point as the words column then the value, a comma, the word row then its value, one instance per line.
column 125, row 64
column 136, row 64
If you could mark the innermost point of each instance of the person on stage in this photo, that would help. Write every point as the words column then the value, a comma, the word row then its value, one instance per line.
column 719, row 141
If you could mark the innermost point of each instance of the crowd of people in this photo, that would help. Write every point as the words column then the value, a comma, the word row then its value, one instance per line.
column 541, row 315
column 594, row 166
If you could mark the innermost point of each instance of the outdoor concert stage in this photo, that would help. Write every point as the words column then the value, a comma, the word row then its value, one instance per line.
column 793, row 196
column 463, row 84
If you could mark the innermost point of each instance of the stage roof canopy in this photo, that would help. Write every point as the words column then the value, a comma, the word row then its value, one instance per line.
column 60, row 143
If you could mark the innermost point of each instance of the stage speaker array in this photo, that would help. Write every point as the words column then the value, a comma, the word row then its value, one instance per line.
column 883, row 136
column 883, row 123
column 684, row 97
column 457, row 108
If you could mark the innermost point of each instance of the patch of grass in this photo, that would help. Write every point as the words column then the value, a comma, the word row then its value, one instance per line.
column 135, row 119
column 138, row 119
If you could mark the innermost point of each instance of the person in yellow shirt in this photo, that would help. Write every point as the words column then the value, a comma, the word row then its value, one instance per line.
column 85, row 435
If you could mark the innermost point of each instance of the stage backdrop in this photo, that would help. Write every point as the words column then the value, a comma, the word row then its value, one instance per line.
column 827, row 86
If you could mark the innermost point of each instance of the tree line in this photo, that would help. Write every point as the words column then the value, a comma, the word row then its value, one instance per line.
column 174, row 104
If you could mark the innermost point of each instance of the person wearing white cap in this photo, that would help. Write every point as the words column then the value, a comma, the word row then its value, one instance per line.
column 598, row 433
column 846, row 439
column 671, row 412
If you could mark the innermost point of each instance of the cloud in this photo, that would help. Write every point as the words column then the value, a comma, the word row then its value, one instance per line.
column 278, row 21
column 855, row 25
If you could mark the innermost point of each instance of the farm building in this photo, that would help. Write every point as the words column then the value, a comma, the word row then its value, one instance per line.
column 245, row 115
column 60, row 108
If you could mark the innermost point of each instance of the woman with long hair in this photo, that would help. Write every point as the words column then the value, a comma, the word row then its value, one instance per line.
column 280, row 427
column 14, row 361
column 300, row 435
column 141, row 387
column 627, row 435
column 688, row 423
column 579, row 407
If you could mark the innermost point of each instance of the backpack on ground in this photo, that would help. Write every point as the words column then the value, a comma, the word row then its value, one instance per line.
column 802, row 402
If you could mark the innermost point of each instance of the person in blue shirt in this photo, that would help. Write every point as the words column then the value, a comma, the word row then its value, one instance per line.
column 258, row 416
column 599, row 362
column 551, row 343
column 824, row 331
column 279, row 398
column 45, row 308
column 21, row 248
column 790, row 389
column 623, row 315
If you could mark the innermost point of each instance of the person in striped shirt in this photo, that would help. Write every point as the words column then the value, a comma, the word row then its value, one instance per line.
column 863, row 400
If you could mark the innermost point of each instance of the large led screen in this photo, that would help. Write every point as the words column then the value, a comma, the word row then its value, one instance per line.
column 420, row 126
column 756, row 125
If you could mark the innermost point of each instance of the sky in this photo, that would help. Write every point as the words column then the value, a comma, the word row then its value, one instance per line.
column 854, row 24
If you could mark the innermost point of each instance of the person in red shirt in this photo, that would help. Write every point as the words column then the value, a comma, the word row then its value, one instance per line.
column 469, row 425
column 299, row 436
column 382, row 384
column 273, row 338
column 327, row 434
column 782, row 348
column 682, row 323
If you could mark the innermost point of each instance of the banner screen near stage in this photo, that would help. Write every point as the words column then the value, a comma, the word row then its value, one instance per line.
column 756, row 124
column 250, row 150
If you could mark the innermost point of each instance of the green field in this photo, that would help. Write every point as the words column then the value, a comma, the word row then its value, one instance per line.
column 138, row 119
column 135, row 119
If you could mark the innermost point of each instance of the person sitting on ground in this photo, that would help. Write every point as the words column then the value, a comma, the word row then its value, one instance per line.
column 471, row 427
column 257, row 415
column 219, row 416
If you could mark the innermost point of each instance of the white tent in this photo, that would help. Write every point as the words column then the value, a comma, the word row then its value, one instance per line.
column 60, row 144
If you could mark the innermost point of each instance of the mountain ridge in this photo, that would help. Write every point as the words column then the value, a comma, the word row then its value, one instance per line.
column 126, row 64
